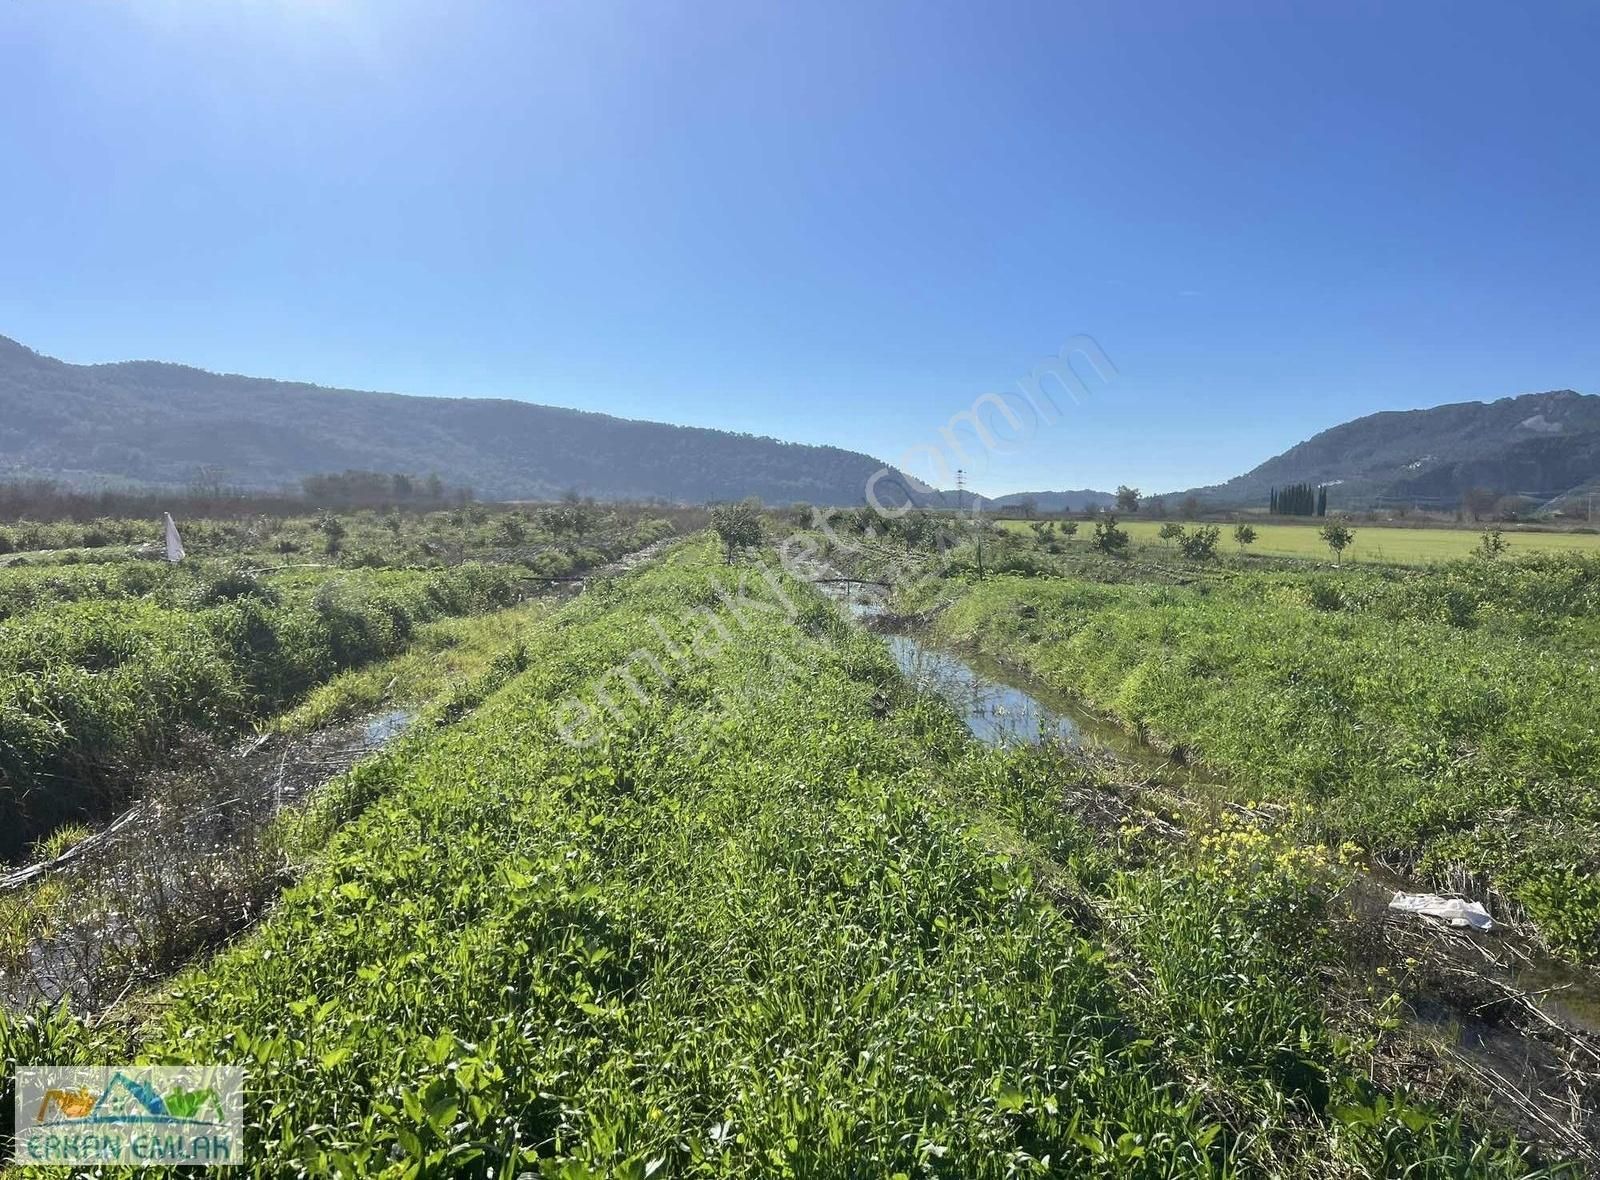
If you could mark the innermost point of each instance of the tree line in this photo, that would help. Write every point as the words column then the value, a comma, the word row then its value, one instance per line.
column 1298, row 499
column 209, row 494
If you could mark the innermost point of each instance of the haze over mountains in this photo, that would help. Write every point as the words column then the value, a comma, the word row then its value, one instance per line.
column 147, row 423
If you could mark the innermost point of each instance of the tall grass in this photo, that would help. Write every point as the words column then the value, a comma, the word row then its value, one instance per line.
column 750, row 931
column 30, row 588
column 1440, row 719
column 91, row 692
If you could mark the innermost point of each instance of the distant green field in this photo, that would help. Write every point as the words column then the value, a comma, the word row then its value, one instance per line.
column 1372, row 543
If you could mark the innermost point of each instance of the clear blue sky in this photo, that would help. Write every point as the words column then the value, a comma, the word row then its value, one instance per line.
column 827, row 221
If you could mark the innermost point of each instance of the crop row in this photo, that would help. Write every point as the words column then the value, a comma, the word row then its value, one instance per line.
column 362, row 538
column 779, row 919
column 93, row 691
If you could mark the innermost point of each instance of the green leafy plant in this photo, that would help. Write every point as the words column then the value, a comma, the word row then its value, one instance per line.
column 1337, row 537
column 1201, row 544
column 738, row 526
column 1108, row 538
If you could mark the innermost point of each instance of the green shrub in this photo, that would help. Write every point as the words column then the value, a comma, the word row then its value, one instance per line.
column 1406, row 710
column 92, row 691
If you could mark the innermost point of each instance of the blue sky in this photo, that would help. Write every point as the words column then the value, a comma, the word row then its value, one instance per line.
column 830, row 222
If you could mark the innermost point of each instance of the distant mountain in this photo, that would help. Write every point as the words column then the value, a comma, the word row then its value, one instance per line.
column 145, row 423
column 1071, row 501
column 1542, row 446
column 1042, row 502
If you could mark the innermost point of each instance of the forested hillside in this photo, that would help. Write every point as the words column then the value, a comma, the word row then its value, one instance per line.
column 150, row 423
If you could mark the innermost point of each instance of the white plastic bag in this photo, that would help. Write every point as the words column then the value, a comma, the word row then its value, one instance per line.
column 1453, row 910
column 174, row 542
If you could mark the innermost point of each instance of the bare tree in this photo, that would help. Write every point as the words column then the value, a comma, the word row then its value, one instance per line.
column 1477, row 503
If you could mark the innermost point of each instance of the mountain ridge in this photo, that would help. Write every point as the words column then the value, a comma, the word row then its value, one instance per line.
column 149, row 423
column 1536, row 446
column 152, row 423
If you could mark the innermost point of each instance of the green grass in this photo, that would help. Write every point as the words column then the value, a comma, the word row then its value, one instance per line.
column 551, row 540
column 778, row 919
column 61, row 841
column 104, row 665
column 1373, row 543
column 1444, row 718
column 91, row 692
column 30, row 588
column 443, row 654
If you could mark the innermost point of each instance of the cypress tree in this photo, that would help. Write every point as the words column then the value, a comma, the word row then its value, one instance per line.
column 1298, row 499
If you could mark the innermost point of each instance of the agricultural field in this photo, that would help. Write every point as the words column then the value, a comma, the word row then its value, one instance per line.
column 549, row 540
column 1374, row 544
column 106, row 664
column 777, row 914
column 1441, row 718
column 685, row 873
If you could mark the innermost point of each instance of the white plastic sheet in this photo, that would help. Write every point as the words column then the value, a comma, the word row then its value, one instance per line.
column 1453, row 910
column 174, row 542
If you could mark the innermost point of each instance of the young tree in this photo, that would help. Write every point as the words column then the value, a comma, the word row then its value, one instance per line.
column 920, row 530
column 1244, row 535
column 1069, row 528
column 1169, row 532
column 1108, row 538
column 1491, row 545
column 333, row 529
column 1127, row 499
column 1337, row 538
column 865, row 521
column 512, row 529
column 738, row 525
column 1200, row 545
column 569, row 516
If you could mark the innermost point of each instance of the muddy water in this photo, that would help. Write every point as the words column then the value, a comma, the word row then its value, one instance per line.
column 1000, row 705
column 385, row 726
column 1003, row 706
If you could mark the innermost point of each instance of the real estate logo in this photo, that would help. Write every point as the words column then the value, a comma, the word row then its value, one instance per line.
column 131, row 1114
